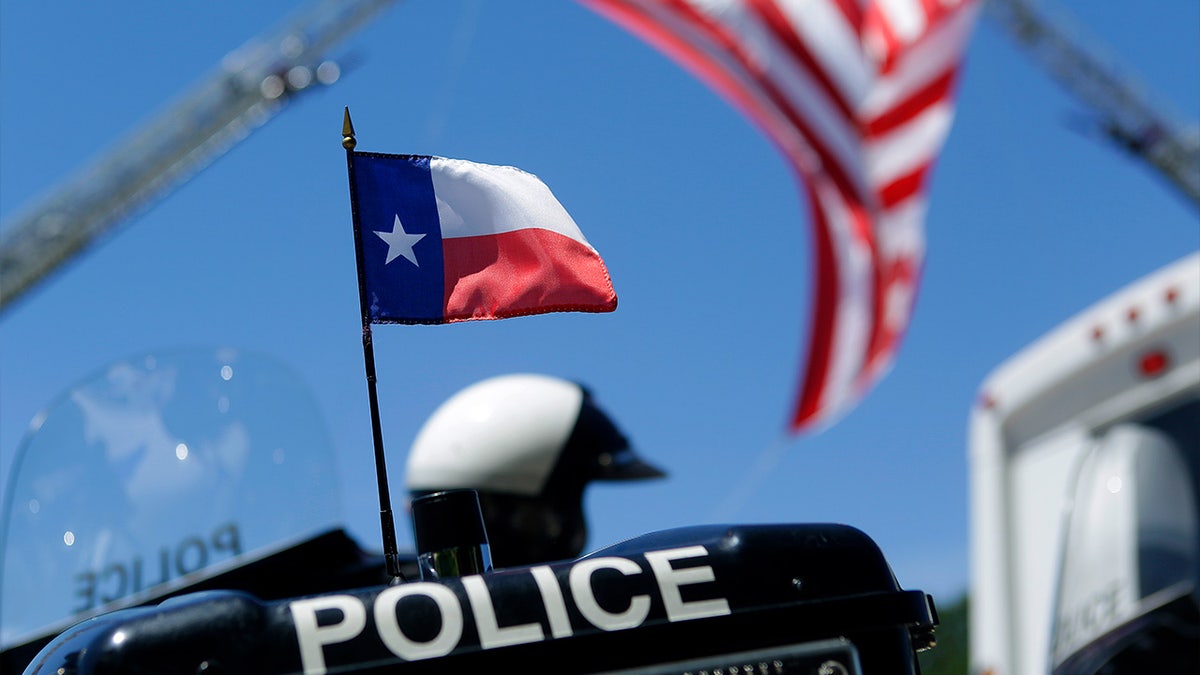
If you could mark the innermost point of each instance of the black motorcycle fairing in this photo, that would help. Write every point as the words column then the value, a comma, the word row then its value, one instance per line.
column 673, row 596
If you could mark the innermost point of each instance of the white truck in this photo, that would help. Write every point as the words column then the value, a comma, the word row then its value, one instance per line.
column 1084, row 478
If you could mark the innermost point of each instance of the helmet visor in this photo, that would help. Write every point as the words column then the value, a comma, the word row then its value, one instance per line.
column 603, row 450
column 624, row 464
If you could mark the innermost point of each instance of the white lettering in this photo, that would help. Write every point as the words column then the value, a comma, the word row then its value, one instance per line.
column 552, row 599
column 313, row 637
column 585, row 598
column 391, row 620
column 490, row 633
column 670, row 579
column 399, row 643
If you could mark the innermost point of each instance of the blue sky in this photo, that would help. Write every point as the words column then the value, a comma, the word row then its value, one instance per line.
column 701, row 223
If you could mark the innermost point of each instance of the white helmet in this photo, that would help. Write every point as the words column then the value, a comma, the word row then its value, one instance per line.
column 509, row 433
column 528, row 445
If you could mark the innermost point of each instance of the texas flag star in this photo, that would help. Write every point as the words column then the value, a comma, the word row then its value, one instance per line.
column 400, row 242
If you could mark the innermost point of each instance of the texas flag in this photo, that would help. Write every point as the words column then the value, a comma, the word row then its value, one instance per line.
column 443, row 240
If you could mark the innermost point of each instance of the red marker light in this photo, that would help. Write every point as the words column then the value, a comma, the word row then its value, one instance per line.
column 986, row 401
column 1153, row 363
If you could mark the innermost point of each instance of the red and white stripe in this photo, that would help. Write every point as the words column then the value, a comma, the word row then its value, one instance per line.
column 509, row 247
column 858, row 95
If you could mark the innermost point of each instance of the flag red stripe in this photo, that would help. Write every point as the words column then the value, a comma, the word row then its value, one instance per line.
column 902, row 270
column 783, row 29
column 876, row 27
column 903, row 187
column 853, row 13
column 820, row 344
column 936, row 90
column 937, row 10
column 530, row 271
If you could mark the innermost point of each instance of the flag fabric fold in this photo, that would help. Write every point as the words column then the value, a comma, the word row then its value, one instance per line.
column 445, row 240
column 858, row 97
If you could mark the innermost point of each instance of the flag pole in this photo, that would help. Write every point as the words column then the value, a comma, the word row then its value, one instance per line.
column 390, row 553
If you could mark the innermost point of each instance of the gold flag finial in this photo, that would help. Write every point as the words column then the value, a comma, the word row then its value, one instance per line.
column 348, row 141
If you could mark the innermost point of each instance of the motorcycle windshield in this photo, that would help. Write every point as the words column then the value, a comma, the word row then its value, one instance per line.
column 154, row 473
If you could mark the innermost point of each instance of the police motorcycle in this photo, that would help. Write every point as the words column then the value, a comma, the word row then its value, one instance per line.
column 139, row 537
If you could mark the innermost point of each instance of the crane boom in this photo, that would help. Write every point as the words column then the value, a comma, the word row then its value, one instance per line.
column 255, row 81
column 251, row 85
column 1127, row 117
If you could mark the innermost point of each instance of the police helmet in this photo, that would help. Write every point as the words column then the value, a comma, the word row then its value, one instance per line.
column 529, row 445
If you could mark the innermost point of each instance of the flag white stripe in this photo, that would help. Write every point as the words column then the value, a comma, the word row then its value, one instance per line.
column 908, row 147
column 480, row 199
column 852, row 316
column 939, row 51
column 900, row 230
column 824, row 30
column 906, row 17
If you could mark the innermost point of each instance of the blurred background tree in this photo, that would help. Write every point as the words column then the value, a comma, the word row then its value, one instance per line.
column 949, row 657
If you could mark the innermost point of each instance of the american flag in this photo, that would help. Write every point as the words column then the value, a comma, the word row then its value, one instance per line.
column 858, row 96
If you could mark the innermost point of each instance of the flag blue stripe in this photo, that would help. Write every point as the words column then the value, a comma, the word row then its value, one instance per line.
column 387, row 186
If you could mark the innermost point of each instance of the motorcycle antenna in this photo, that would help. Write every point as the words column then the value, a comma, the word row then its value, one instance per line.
column 387, row 524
